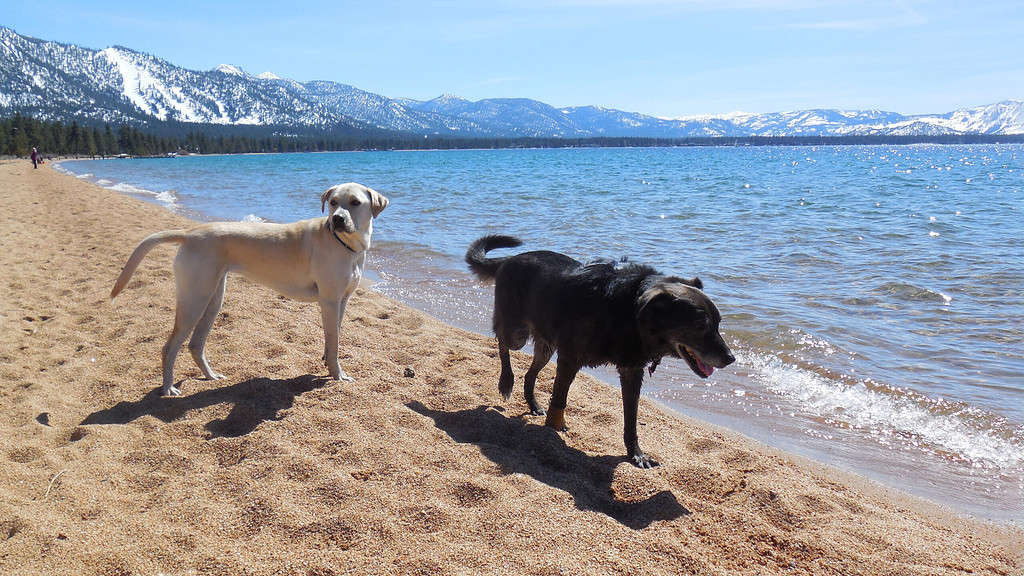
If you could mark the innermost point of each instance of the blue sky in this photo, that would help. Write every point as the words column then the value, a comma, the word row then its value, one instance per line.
column 662, row 57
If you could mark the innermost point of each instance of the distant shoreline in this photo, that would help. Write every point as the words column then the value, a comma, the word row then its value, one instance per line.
column 171, row 138
column 717, row 142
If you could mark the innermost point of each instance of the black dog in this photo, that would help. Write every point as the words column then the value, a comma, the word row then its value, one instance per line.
column 604, row 312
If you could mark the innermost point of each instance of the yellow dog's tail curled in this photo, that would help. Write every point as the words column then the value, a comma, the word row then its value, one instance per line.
column 175, row 236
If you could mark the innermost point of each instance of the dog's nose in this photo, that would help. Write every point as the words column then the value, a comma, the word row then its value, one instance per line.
column 729, row 359
column 338, row 221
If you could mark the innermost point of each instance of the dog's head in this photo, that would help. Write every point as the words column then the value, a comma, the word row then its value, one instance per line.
column 679, row 320
column 351, row 209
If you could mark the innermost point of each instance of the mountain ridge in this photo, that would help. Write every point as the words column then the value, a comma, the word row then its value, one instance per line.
column 57, row 81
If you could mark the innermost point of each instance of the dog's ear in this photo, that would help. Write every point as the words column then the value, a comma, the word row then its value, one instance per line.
column 659, row 308
column 696, row 283
column 378, row 202
column 324, row 197
column 651, row 303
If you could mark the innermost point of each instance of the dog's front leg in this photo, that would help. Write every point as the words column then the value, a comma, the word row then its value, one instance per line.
column 341, row 314
column 565, row 373
column 631, row 379
column 331, row 312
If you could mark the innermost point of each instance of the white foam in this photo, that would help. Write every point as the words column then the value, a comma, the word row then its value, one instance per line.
column 83, row 176
column 129, row 189
column 253, row 218
column 895, row 419
column 167, row 197
column 104, row 182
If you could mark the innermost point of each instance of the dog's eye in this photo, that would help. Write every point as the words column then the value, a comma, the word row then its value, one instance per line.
column 354, row 202
column 334, row 202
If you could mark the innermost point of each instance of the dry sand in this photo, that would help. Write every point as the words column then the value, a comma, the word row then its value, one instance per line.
column 278, row 470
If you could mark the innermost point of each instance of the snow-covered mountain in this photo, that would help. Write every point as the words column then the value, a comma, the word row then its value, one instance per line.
column 56, row 81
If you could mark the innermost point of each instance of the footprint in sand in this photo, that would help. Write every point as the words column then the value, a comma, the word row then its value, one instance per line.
column 423, row 519
column 32, row 324
column 77, row 434
column 737, row 458
column 271, row 349
column 705, row 445
column 336, row 533
column 10, row 528
column 25, row 455
column 470, row 495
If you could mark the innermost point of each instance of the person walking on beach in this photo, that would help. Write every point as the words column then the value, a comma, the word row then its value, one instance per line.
column 35, row 158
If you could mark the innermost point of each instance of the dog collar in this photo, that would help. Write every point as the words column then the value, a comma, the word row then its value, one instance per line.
column 342, row 242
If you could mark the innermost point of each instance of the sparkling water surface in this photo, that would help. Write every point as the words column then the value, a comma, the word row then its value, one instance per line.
column 874, row 295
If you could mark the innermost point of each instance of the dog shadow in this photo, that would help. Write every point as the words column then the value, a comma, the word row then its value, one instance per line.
column 518, row 446
column 253, row 401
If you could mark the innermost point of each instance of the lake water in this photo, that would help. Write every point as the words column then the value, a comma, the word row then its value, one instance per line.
column 874, row 295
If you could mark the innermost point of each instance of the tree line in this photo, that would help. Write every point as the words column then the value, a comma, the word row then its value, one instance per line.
column 19, row 134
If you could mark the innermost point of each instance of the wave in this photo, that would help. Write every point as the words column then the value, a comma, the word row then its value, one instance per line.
column 896, row 418
column 912, row 293
column 168, row 198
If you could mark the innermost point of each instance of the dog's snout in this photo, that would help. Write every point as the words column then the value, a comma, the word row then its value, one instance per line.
column 728, row 358
column 337, row 221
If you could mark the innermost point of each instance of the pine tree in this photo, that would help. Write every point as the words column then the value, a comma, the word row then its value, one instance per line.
column 89, row 142
column 124, row 144
column 19, row 143
column 109, row 141
column 56, row 141
column 75, row 139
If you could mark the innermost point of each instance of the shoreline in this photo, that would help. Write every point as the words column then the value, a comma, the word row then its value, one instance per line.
column 120, row 479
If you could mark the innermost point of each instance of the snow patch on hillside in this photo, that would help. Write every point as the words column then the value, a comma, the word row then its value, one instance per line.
column 230, row 69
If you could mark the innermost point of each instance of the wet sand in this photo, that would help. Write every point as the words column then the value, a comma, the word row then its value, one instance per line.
column 278, row 470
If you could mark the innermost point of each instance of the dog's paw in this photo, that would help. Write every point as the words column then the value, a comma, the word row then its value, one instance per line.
column 641, row 460
column 341, row 376
column 556, row 419
column 171, row 391
column 505, row 387
column 539, row 412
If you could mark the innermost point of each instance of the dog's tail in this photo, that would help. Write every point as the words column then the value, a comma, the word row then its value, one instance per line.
column 176, row 236
column 485, row 268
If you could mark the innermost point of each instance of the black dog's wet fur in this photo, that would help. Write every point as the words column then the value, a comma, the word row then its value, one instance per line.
column 603, row 312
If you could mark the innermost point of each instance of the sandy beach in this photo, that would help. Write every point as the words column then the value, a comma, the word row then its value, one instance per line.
column 278, row 470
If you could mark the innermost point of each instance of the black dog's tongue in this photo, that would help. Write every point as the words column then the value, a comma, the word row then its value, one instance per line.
column 704, row 368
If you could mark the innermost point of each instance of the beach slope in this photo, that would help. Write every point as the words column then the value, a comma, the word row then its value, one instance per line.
column 277, row 470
